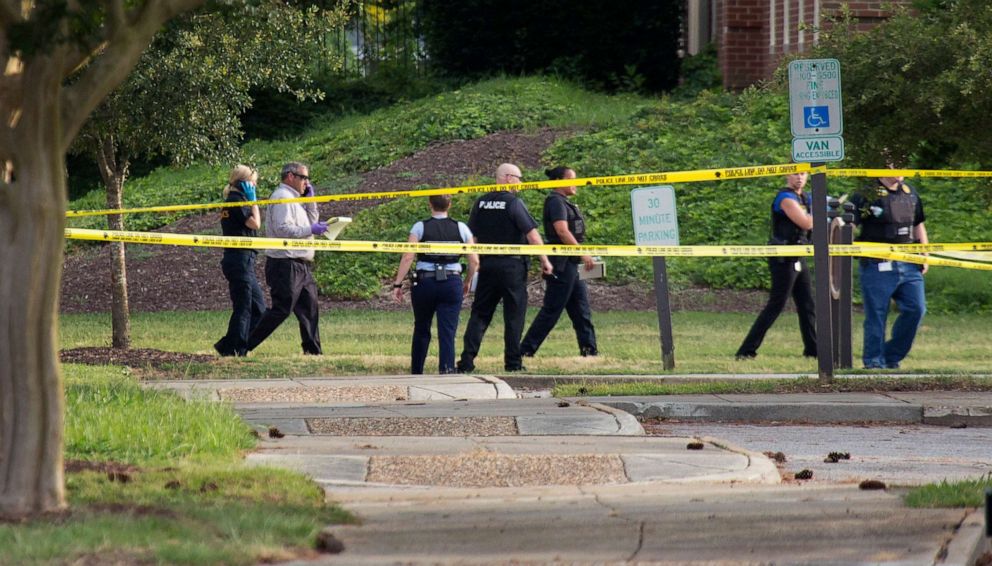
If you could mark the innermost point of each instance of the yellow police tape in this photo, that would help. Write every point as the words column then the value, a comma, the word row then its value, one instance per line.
column 901, row 252
column 906, row 173
column 725, row 174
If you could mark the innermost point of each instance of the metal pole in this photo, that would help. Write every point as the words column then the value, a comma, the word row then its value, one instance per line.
column 821, row 229
column 845, row 321
column 664, row 312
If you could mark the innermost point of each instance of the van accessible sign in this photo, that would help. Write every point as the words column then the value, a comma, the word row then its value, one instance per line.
column 655, row 222
column 817, row 149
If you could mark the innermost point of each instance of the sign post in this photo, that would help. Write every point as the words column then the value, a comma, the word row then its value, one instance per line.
column 656, row 224
column 817, row 120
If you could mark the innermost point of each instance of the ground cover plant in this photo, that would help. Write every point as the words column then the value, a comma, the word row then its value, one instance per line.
column 337, row 148
column 605, row 135
column 152, row 478
column 369, row 342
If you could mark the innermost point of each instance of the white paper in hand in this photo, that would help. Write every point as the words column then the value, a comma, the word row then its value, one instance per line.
column 335, row 225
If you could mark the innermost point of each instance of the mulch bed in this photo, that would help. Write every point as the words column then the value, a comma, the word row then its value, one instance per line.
column 175, row 278
column 104, row 467
column 136, row 358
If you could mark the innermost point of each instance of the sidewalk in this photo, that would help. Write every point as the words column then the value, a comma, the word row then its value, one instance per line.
column 457, row 470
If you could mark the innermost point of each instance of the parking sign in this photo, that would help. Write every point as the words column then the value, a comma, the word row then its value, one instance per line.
column 815, row 97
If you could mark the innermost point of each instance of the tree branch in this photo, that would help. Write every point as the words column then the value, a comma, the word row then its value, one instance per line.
column 76, row 58
column 11, row 99
column 123, row 49
column 10, row 13
column 6, row 146
column 115, row 15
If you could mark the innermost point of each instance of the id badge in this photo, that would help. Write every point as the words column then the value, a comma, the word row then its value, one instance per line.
column 799, row 265
column 885, row 266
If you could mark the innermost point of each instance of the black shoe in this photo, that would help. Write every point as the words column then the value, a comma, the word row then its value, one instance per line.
column 220, row 348
column 527, row 354
column 746, row 355
column 515, row 368
column 809, row 354
column 459, row 368
column 588, row 351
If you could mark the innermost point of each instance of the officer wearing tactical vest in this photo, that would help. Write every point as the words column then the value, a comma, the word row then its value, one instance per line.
column 564, row 291
column 437, row 286
column 892, row 213
column 500, row 217
column 791, row 225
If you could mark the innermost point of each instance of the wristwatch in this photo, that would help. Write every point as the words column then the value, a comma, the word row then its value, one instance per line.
column 397, row 285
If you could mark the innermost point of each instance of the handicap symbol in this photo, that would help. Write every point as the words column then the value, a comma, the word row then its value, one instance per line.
column 816, row 116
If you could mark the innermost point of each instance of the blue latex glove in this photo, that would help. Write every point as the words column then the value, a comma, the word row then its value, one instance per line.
column 309, row 193
column 318, row 228
column 248, row 189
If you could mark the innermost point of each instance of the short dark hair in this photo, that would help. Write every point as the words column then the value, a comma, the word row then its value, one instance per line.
column 440, row 203
column 557, row 173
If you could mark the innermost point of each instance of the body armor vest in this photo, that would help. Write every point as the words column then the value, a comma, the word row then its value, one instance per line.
column 441, row 230
column 898, row 212
column 784, row 230
column 576, row 225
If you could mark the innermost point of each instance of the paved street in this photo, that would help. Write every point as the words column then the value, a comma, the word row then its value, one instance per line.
column 897, row 455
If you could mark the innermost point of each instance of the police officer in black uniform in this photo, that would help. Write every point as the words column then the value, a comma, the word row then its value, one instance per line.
column 891, row 212
column 791, row 225
column 437, row 286
column 564, row 291
column 500, row 217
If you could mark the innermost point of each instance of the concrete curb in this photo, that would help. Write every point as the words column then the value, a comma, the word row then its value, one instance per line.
column 760, row 468
column 627, row 423
column 763, row 412
column 958, row 416
column 968, row 543
column 365, row 390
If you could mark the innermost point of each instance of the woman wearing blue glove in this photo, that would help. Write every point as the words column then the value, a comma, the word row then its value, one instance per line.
column 238, row 264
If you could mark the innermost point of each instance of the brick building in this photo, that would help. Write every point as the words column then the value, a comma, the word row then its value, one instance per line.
column 752, row 36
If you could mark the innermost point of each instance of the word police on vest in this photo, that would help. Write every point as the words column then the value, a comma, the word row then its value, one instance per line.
column 493, row 205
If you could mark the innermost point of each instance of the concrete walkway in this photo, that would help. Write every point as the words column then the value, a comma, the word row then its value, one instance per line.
column 456, row 470
column 722, row 524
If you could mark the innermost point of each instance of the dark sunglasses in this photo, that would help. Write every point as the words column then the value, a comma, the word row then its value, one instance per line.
column 304, row 177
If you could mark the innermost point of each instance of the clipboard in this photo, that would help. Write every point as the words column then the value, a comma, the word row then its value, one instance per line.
column 598, row 271
column 335, row 225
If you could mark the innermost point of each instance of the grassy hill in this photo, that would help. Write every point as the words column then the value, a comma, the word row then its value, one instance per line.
column 612, row 135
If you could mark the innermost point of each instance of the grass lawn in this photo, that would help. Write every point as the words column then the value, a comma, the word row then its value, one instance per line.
column 967, row 493
column 155, row 479
column 853, row 384
column 358, row 342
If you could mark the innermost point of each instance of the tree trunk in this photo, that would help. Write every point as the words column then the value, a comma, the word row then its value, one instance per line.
column 114, row 172
column 32, row 223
